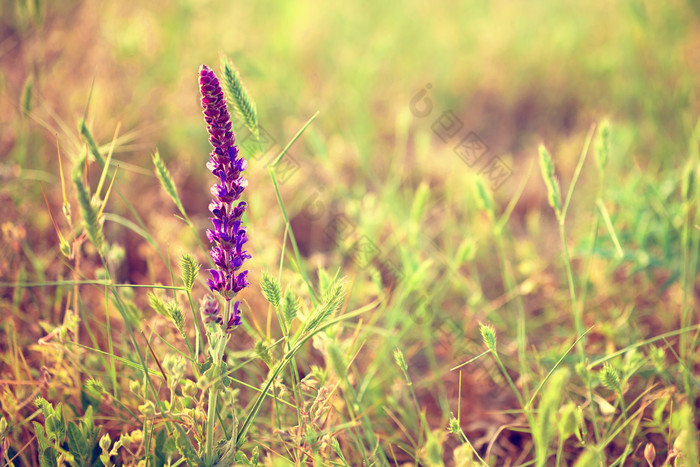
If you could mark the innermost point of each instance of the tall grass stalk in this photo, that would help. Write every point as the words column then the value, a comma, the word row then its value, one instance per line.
column 555, row 201
column 510, row 281
column 690, row 254
column 288, row 225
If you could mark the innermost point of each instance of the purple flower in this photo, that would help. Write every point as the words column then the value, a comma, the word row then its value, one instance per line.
column 209, row 309
column 211, row 313
column 235, row 318
column 228, row 236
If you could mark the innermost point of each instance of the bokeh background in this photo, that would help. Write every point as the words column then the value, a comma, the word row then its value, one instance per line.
column 515, row 73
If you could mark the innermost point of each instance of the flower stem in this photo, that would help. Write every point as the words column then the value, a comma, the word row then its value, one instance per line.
column 578, row 320
column 227, row 316
column 211, row 417
column 218, row 348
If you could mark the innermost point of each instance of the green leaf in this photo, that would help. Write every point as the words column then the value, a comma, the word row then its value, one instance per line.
column 433, row 450
column 77, row 444
column 45, row 406
column 48, row 458
column 544, row 429
column 41, row 437
column 590, row 456
column 228, row 455
column 205, row 366
column 88, row 429
column 567, row 424
column 26, row 99
column 687, row 442
column 60, row 422
column 225, row 378
column 88, row 423
column 159, row 451
column 241, row 458
column 484, row 200
column 185, row 448
column 104, row 444
column 55, row 426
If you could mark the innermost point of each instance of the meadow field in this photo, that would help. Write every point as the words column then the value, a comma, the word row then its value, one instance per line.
column 471, row 232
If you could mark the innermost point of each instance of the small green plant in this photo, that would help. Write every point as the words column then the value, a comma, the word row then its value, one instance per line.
column 65, row 442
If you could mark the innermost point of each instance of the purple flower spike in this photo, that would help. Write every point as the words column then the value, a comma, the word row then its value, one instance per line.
column 228, row 235
column 235, row 318
column 209, row 309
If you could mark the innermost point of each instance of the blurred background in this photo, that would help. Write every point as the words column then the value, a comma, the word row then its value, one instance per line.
column 515, row 74
column 398, row 88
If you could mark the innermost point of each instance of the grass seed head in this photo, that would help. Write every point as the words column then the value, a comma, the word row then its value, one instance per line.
column 602, row 148
column 91, row 221
column 400, row 360
column 290, row 306
column 242, row 101
column 550, row 181
column 454, row 426
column 166, row 180
column 610, row 379
column 190, row 268
column 271, row 290
column 488, row 335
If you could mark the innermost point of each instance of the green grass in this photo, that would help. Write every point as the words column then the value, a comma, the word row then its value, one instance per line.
column 403, row 310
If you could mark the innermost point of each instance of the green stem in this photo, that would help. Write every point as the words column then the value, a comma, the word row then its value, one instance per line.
column 526, row 409
column 240, row 437
column 112, row 366
column 509, row 380
column 211, row 418
column 560, row 448
column 474, row 451
column 198, row 332
column 288, row 225
column 222, row 345
column 294, row 372
column 511, row 287
column 584, row 294
column 578, row 322
column 217, row 355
